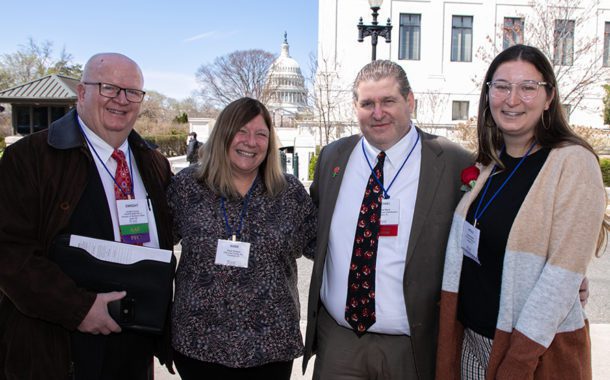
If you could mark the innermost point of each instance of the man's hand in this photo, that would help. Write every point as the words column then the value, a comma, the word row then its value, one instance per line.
column 98, row 320
column 583, row 292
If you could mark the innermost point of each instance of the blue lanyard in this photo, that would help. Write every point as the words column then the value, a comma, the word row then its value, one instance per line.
column 477, row 214
column 241, row 217
column 131, row 194
column 385, row 191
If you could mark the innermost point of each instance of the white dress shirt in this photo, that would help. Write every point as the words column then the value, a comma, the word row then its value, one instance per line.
column 390, row 309
column 103, row 157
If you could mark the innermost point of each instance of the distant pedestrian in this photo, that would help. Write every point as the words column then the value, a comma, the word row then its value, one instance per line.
column 192, row 149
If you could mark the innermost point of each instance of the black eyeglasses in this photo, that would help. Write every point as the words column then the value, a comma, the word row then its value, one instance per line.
column 108, row 90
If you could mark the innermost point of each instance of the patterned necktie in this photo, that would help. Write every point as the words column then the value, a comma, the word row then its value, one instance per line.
column 360, row 304
column 121, row 176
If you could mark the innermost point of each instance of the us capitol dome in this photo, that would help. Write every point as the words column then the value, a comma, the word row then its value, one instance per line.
column 288, row 98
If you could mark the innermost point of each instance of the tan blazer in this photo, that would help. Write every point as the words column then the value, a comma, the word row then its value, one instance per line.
column 437, row 196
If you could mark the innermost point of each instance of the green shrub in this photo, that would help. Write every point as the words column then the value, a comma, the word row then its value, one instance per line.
column 312, row 166
column 605, row 164
column 169, row 145
column 183, row 118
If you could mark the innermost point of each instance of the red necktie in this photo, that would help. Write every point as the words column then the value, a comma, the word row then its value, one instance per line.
column 360, row 304
column 121, row 176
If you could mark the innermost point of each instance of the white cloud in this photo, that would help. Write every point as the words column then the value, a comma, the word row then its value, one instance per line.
column 200, row 36
column 174, row 85
column 214, row 33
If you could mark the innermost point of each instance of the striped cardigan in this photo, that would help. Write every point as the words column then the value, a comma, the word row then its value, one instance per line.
column 541, row 331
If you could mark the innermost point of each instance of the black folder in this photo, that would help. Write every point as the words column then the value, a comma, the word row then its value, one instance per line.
column 148, row 284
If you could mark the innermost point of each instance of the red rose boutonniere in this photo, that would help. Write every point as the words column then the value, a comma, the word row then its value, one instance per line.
column 336, row 170
column 469, row 177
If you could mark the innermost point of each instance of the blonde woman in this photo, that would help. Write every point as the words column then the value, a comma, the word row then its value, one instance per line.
column 243, row 223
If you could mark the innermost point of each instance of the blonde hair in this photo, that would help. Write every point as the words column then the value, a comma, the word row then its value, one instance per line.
column 215, row 167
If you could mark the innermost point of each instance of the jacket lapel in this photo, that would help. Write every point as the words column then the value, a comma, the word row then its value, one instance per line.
column 339, row 160
column 429, row 180
column 329, row 187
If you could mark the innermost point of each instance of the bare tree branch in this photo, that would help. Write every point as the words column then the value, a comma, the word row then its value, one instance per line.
column 329, row 99
column 552, row 26
column 430, row 107
column 235, row 75
column 34, row 60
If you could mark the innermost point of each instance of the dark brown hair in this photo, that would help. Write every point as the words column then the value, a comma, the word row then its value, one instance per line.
column 551, row 131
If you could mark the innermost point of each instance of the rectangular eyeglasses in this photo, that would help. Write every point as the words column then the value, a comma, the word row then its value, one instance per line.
column 108, row 90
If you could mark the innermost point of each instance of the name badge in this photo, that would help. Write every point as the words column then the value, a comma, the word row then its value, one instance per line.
column 133, row 220
column 470, row 242
column 390, row 214
column 232, row 253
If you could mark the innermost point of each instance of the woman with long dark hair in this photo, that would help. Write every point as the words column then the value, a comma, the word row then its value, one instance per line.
column 523, row 235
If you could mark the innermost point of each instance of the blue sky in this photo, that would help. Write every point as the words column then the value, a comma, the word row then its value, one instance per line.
column 169, row 39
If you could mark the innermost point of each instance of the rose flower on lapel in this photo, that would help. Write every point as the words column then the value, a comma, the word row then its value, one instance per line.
column 469, row 177
column 336, row 170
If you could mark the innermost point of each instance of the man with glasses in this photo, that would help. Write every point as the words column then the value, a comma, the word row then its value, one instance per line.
column 74, row 179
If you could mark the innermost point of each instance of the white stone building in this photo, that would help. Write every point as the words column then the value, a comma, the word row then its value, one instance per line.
column 288, row 98
column 288, row 102
column 446, row 46
column 288, row 105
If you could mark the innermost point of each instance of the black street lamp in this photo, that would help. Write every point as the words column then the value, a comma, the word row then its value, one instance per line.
column 375, row 30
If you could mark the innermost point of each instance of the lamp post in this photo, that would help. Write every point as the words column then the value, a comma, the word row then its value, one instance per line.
column 375, row 30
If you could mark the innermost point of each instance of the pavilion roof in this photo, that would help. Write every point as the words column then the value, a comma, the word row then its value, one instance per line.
column 52, row 87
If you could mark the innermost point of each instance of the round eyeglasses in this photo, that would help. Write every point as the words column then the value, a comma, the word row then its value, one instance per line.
column 108, row 90
column 526, row 90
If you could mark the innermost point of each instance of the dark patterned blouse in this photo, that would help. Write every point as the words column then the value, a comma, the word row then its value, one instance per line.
column 239, row 317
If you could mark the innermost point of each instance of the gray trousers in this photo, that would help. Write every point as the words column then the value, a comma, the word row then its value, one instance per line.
column 342, row 355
